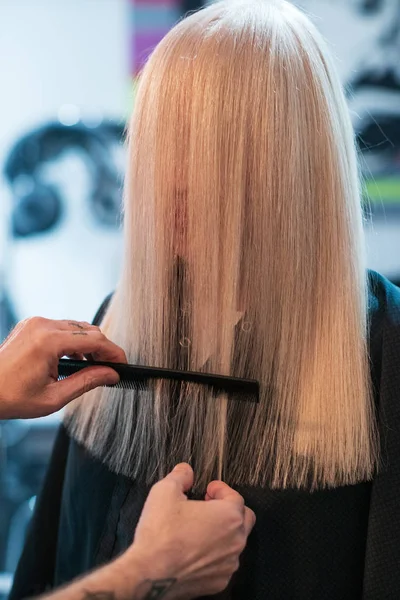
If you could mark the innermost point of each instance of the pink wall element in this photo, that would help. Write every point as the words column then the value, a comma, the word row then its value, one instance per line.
column 151, row 20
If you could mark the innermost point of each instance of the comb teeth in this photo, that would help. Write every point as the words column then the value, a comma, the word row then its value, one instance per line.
column 138, row 385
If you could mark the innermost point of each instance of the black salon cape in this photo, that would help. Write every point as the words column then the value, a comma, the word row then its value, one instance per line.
column 341, row 544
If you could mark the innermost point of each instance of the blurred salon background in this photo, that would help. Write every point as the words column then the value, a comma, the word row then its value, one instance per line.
column 67, row 88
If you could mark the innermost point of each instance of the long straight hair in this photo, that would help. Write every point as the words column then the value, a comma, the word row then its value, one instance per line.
column 244, row 255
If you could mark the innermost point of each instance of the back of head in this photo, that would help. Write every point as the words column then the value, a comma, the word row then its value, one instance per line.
column 243, row 256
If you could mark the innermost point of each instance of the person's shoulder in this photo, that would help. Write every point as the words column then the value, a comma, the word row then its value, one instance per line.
column 383, row 317
column 384, row 328
column 383, row 298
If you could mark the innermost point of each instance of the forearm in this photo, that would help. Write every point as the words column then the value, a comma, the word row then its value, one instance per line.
column 127, row 578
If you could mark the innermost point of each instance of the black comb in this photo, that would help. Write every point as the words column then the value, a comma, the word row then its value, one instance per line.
column 136, row 377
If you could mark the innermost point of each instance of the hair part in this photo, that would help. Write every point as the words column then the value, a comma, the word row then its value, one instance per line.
column 244, row 256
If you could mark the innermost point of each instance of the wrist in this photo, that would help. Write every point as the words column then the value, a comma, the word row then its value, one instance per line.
column 141, row 573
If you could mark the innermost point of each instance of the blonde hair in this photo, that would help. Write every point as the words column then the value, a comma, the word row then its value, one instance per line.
column 244, row 255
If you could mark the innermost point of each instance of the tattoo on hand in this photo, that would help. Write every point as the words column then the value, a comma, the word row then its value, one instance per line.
column 79, row 333
column 78, row 325
column 99, row 596
column 153, row 590
column 148, row 590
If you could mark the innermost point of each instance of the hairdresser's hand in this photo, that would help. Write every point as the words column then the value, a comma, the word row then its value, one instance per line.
column 29, row 366
column 193, row 545
column 182, row 548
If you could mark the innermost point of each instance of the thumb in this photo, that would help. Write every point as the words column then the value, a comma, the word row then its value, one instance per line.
column 79, row 383
column 183, row 476
column 218, row 490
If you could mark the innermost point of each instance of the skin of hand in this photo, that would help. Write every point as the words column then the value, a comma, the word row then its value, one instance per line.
column 193, row 544
column 182, row 549
column 29, row 366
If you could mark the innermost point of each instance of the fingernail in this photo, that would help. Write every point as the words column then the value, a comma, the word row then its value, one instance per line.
column 182, row 467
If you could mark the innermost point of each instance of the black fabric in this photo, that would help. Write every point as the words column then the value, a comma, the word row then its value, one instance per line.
column 102, row 311
column 335, row 544
column 382, row 565
column 36, row 568
column 87, row 492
